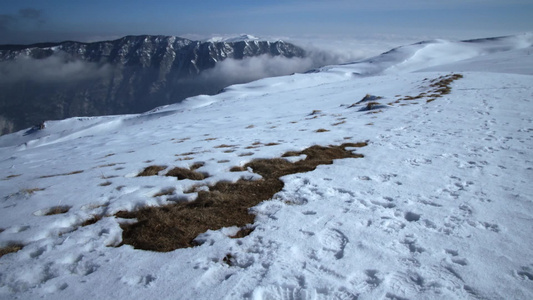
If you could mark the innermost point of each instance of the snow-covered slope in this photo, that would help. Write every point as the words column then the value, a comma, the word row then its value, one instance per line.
column 442, row 53
column 439, row 207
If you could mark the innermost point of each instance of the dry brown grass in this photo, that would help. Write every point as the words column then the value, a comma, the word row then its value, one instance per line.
column 291, row 154
column 245, row 231
column 151, row 171
column 64, row 174
column 437, row 88
column 366, row 98
column 57, row 210
column 12, row 176
column 321, row 130
column 182, row 173
column 10, row 249
column 372, row 105
column 197, row 165
column 91, row 221
column 185, row 158
column 246, row 154
column 181, row 140
column 186, row 154
column 225, row 204
column 225, row 146
column 31, row 191
column 165, row 192
column 107, row 165
column 237, row 169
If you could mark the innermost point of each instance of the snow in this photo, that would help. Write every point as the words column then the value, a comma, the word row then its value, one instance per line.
column 440, row 207
column 233, row 39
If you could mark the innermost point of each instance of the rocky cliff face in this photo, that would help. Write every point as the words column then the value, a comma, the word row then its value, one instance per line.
column 129, row 75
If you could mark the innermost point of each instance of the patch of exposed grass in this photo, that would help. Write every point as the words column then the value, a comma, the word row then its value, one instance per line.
column 371, row 106
column 245, row 231
column 271, row 144
column 197, row 165
column 107, row 165
column 226, row 204
column 222, row 161
column 186, row 154
column 10, row 249
column 181, row 140
column 250, row 126
column 338, row 123
column 182, row 173
column 185, row 158
column 437, row 88
column 57, row 210
column 366, row 98
column 64, row 174
column 12, row 176
column 321, row 130
column 91, row 221
column 291, row 154
column 31, row 191
column 195, row 189
column 237, row 169
column 229, row 259
column 315, row 112
column 246, row 154
column 225, row 146
column 105, row 183
column 165, row 192
column 151, row 171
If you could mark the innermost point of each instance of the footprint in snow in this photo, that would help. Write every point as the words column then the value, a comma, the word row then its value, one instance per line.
column 335, row 241
column 297, row 293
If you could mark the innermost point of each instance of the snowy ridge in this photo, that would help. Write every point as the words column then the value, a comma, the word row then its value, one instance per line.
column 437, row 53
column 234, row 39
column 439, row 207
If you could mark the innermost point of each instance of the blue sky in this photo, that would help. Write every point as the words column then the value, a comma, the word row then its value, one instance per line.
column 30, row 21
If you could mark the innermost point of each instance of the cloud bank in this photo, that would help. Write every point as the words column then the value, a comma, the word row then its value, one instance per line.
column 54, row 69
column 320, row 52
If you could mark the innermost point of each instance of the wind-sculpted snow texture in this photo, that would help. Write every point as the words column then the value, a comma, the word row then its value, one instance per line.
column 440, row 207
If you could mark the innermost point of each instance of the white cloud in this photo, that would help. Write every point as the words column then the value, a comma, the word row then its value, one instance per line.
column 54, row 69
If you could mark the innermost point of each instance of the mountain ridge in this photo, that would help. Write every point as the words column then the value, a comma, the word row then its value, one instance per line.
column 128, row 75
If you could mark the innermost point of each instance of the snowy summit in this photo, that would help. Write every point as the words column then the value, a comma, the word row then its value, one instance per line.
column 404, row 176
column 233, row 39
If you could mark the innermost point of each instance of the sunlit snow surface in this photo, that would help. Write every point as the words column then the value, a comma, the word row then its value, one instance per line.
column 440, row 207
